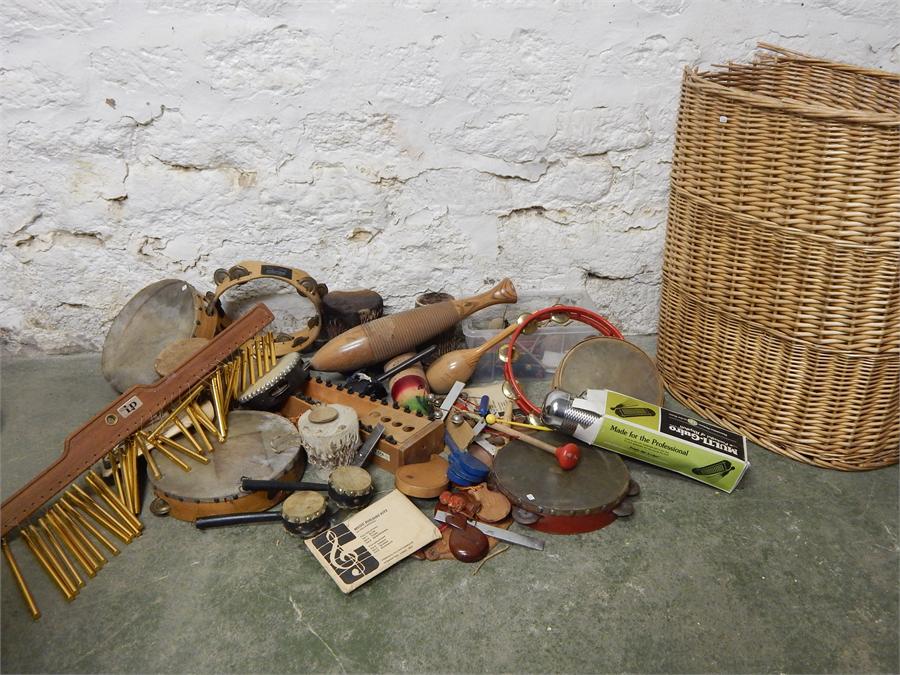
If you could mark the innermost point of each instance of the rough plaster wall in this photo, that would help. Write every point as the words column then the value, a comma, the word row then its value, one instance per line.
column 404, row 146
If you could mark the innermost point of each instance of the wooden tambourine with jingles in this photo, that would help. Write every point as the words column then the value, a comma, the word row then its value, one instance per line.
column 251, row 270
column 159, row 315
column 260, row 445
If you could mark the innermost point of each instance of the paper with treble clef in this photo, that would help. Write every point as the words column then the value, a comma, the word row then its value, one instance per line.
column 367, row 543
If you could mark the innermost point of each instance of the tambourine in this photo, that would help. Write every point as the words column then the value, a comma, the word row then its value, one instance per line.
column 557, row 314
column 157, row 316
column 251, row 270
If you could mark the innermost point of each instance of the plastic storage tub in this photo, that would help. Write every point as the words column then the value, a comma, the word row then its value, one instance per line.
column 539, row 354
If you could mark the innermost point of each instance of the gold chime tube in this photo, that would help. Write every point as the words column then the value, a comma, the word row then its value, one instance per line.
column 116, row 473
column 95, row 511
column 114, row 513
column 114, row 503
column 20, row 581
column 162, row 426
column 152, row 466
column 220, row 412
column 86, row 524
column 62, row 527
column 187, row 434
column 44, row 548
column 183, row 449
column 260, row 360
column 184, row 466
column 270, row 338
column 198, row 429
column 87, row 546
column 204, row 419
column 135, row 480
column 69, row 569
column 54, row 577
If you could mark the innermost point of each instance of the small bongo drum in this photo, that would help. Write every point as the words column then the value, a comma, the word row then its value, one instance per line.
column 260, row 445
column 160, row 314
column 601, row 362
column 305, row 514
column 552, row 500
column 350, row 487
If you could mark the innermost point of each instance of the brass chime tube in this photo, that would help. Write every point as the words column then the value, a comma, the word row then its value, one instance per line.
column 216, row 391
column 184, row 466
column 116, row 473
column 62, row 527
column 95, row 511
column 20, row 581
column 204, row 419
column 152, row 466
column 113, row 514
column 70, row 571
column 187, row 434
column 175, row 445
column 162, row 426
column 199, row 430
column 54, row 577
column 114, row 503
column 86, row 524
column 51, row 560
column 93, row 553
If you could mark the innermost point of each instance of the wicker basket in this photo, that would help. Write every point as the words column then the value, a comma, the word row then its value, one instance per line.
column 780, row 310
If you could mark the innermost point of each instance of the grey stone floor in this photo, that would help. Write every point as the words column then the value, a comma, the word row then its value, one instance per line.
column 797, row 571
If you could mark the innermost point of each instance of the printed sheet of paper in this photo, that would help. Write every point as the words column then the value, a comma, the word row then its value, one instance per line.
column 366, row 544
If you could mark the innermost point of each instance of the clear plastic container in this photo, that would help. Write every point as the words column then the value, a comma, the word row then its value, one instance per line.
column 539, row 354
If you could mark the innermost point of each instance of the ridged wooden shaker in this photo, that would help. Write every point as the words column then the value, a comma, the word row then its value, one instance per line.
column 382, row 339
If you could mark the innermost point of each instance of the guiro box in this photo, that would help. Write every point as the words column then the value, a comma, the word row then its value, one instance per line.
column 664, row 438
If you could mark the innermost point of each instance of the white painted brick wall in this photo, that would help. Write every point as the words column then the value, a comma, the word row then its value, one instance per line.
column 406, row 146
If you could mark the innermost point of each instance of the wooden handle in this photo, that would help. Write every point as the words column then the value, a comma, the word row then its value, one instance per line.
column 130, row 412
column 503, row 292
column 525, row 438
column 382, row 339
column 499, row 337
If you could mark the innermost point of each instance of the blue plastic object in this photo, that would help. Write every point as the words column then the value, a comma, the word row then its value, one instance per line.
column 464, row 469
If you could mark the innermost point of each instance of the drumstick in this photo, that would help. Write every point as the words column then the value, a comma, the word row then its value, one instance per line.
column 567, row 455
column 460, row 364
column 382, row 339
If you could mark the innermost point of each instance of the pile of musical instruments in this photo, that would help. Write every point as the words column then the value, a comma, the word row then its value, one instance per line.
column 220, row 415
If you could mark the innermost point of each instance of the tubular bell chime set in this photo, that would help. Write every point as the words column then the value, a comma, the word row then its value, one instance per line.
column 226, row 415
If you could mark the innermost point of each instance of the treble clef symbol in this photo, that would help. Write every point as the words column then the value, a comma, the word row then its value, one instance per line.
column 341, row 560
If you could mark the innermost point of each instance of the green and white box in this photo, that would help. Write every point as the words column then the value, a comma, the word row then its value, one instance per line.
column 664, row 438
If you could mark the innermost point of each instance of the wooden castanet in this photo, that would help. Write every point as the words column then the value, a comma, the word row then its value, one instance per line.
column 459, row 365
column 382, row 339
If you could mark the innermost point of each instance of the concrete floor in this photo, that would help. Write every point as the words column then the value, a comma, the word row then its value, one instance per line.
column 797, row 571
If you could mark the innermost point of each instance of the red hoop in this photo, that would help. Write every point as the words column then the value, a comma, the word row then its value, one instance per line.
column 592, row 319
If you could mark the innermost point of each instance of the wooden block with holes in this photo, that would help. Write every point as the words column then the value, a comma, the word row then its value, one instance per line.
column 409, row 438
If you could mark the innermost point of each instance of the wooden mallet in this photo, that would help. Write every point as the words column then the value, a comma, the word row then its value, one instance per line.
column 567, row 455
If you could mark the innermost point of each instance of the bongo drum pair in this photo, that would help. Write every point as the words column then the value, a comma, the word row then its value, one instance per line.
column 164, row 323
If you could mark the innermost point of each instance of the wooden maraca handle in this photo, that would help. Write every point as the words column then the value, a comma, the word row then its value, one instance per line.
column 381, row 339
column 460, row 364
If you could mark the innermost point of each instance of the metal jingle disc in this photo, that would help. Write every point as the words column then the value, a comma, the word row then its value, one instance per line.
column 561, row 318
column 508, row 392
column 601, row 362
column 530, row 328
column 503, row 354
column 532, row 480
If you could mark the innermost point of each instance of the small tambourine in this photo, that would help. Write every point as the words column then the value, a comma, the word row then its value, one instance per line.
column 251, row 270
column 271, row 390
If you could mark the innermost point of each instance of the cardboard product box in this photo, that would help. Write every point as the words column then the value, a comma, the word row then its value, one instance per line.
column 664, row 438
